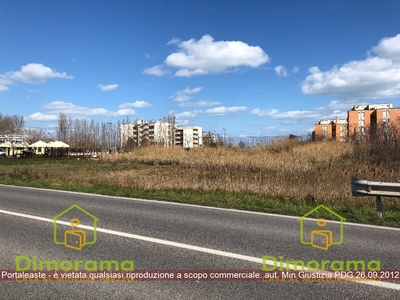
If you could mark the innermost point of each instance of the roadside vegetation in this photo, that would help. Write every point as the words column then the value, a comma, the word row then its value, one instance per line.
column 285, row 176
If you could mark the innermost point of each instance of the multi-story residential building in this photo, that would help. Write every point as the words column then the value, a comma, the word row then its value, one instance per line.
column 330, row 129
column 189, row 136
column 323, row 130
column 160, row 133
column 360, row 118
column 339, row 130
column 137, row 131
column 368, row 117
column 147, row 132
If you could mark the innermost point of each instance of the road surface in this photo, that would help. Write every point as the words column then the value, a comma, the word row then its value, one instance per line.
column 160, row 236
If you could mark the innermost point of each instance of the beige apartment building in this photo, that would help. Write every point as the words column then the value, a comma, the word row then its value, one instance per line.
column 143, row 132
column 189, row 136
column 148, row 132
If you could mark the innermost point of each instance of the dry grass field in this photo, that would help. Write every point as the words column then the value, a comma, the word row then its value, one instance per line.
column 283, row 168
column 320, row 171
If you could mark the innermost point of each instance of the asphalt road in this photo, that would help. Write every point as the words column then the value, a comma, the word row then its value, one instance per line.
column 163, row 236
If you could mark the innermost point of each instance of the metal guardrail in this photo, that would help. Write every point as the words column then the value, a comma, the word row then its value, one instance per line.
column 362, row 188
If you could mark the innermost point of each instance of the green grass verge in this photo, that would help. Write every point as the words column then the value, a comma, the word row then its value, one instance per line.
column 242, row 201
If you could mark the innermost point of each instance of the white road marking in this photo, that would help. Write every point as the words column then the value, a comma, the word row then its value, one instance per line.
column 201, row 206
column 381, row 284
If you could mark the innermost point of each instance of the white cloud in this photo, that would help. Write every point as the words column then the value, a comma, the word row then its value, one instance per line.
column 36, row 73
column 281, row 71
column 38, row 116
column 298, row 114
column 184, row 95
column 187, row 114
column 155, row 71
column 190, row 73
column 336, row 105
column 136, row 104
column 330, row 111
column 30, row 73
column 174, row 41
column 59, row 105
column 389, row 48
column 198, row 103
column 4, row 83
column 108, row 87
column 56, row 107
column 125, row 112
column 3, row 88
column 206, row 56
column 377, row 76
column 222, row 110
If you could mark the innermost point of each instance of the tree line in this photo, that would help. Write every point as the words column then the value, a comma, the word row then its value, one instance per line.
column 85, row 135
column 81, row 134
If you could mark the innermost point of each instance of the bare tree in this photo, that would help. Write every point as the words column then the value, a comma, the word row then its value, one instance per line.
column 80, row 134
column 18, row 124
column 62, row 128
column 103, row 136
column 118, row 135
column 11, row 124
column 210, row 139
column 172, row 124
column 94, row 136
column 36, row 134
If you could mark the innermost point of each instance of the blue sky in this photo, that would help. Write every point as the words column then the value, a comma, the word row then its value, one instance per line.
column 253, row 68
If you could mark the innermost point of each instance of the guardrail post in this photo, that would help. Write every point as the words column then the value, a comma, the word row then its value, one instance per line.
column 379, row 206
column 362, row 188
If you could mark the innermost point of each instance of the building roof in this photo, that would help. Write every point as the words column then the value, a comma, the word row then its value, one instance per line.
column 58, row 144
column 339, row 121
column 6, row 145
column 39, row 144
column 371, row 106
